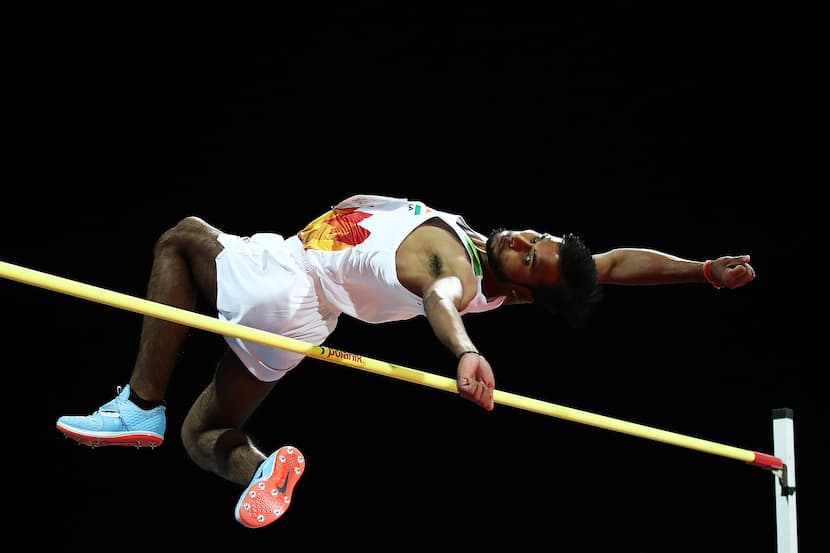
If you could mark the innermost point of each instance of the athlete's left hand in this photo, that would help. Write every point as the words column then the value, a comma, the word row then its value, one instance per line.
column 733, row 271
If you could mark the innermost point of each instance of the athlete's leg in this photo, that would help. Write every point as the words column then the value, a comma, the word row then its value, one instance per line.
column 212, row 430
column 183, row 265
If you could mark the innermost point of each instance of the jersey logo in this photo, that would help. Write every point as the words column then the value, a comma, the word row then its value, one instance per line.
column 417, row 209
column 335, row 230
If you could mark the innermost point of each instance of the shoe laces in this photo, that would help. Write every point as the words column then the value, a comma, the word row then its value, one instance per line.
column 112, row 406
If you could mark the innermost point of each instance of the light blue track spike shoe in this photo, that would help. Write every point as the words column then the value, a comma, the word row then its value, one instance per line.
column 118, row 422
column 269, row 494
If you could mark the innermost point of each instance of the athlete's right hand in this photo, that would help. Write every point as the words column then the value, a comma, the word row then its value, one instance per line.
column 475, row 381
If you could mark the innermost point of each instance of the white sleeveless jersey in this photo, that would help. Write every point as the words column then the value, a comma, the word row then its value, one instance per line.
column 351, row 250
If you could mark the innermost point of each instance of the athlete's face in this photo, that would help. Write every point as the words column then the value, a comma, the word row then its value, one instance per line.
column 524, row 257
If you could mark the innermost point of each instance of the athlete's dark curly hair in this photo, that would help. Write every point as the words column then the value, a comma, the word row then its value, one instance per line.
column 577, row 292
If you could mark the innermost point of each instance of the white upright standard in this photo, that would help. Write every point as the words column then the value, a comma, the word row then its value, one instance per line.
column 785, row 514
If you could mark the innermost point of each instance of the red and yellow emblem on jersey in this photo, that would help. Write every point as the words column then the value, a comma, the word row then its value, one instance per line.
column 336, row 230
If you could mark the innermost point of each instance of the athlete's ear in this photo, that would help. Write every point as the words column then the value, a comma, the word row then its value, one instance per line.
column 520, row 294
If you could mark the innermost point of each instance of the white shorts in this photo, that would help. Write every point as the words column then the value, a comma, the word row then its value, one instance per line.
column 260, row 284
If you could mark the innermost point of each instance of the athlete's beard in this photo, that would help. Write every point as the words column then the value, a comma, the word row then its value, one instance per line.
column 493, row 260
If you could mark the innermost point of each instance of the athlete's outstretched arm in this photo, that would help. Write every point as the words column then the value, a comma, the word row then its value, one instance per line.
column 642, row 266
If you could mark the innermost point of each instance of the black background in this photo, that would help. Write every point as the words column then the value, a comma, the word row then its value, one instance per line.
column 632, row 127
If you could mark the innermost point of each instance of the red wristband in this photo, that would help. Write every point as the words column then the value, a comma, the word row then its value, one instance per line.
column 707, row 272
